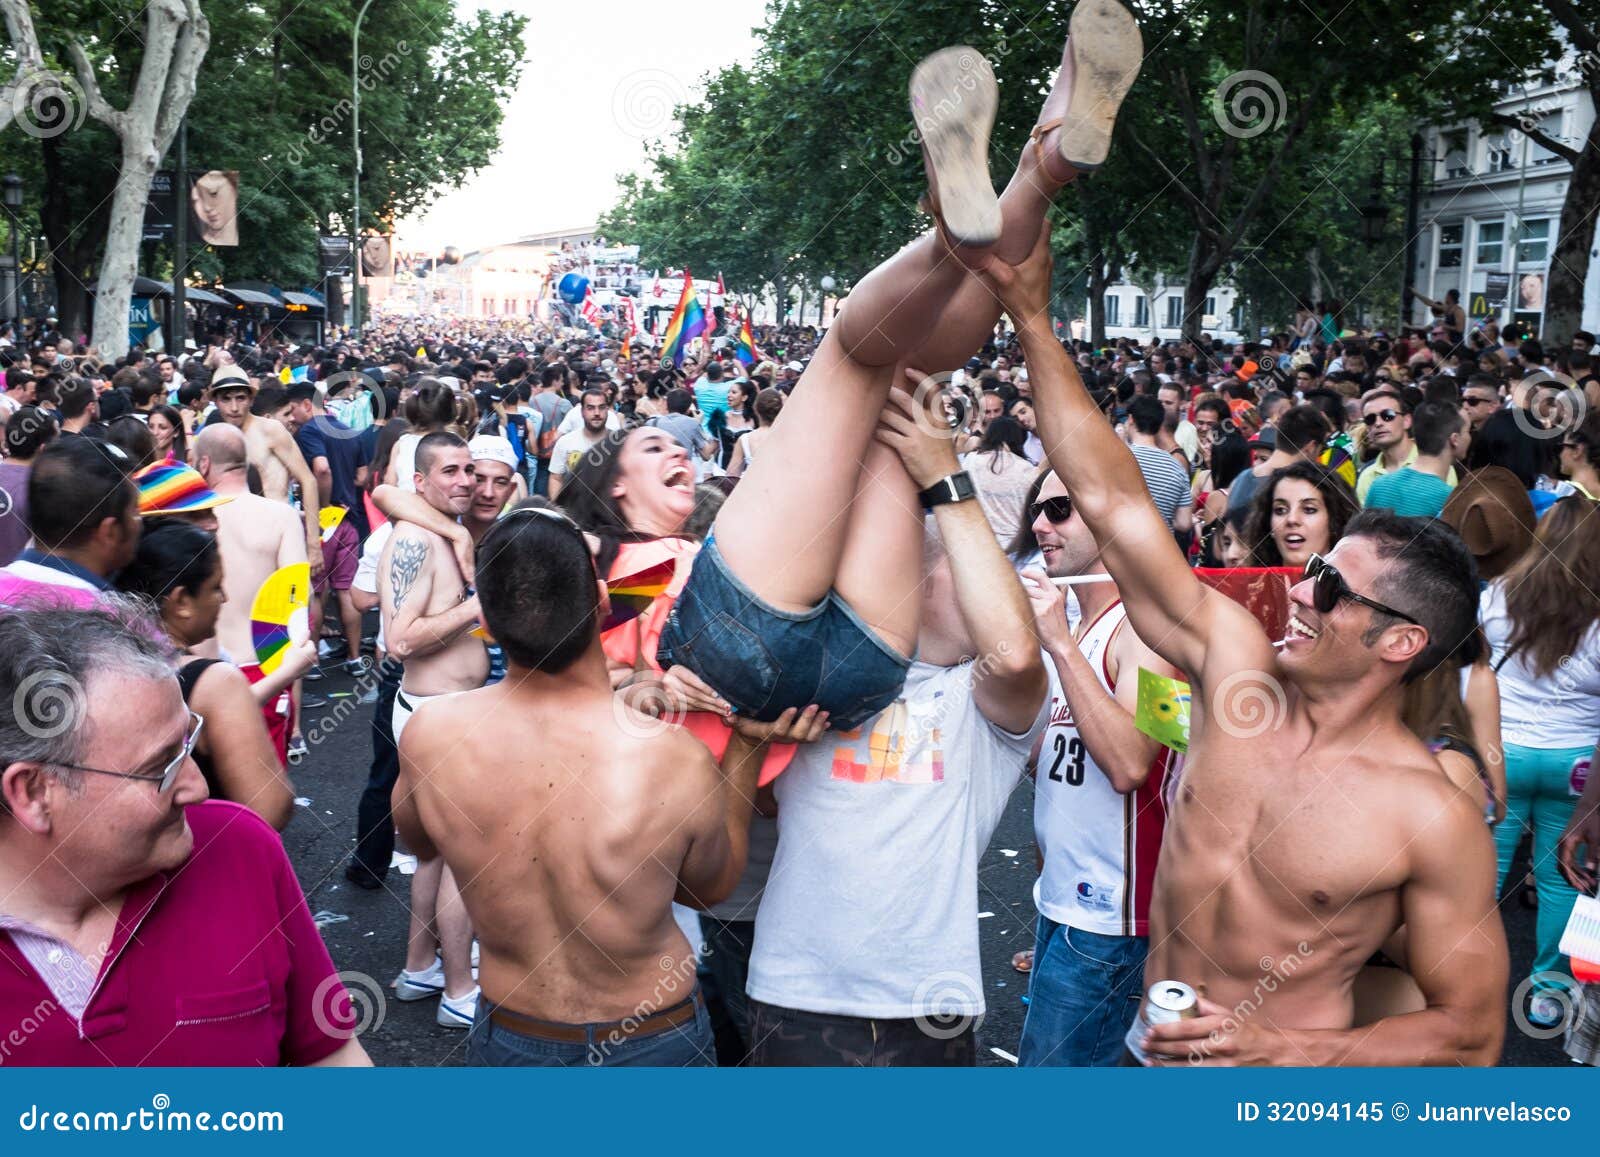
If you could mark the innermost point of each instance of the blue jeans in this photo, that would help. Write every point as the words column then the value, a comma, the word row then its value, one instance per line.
column 1541, row 791
column 763, row 660
column 1082, row 996
column 686, row 1045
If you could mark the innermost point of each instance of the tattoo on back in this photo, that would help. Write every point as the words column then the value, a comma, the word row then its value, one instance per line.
column 405, row 564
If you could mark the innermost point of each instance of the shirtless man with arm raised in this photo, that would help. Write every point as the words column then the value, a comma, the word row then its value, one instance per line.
column 272, row 451
column 1308, row 823
column 570, row 851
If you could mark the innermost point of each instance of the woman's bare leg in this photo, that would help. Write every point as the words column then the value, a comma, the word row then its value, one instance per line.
column 880, row 569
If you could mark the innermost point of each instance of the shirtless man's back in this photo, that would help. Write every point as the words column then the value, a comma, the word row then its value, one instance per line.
column 571, row 849
column 1309, row 824
column 256, row 536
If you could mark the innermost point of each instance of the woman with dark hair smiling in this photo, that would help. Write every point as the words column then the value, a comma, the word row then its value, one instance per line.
column 1301, row 511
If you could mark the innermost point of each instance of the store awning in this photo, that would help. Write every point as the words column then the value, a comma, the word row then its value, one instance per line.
column 194, row 295
column 248, row 296
column 290, row 297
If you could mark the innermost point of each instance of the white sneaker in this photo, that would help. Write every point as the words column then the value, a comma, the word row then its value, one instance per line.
column 1546, row 1011
column 458, row 1011
column 420, row 985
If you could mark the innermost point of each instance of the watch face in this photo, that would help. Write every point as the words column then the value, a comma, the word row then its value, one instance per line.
column 963, row 486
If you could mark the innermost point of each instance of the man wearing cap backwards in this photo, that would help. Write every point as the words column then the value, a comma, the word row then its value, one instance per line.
column 1309, row 823
column 272, row 452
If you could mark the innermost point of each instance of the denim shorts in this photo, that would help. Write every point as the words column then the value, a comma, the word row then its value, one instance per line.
column 685, row 1045
column 764, row 661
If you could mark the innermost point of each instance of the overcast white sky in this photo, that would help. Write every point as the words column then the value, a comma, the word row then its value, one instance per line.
column 599, row 80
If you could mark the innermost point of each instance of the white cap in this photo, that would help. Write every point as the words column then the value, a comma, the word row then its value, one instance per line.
column 796, row 367
column 492, row 448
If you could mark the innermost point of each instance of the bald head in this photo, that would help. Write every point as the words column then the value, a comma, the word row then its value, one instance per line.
column 220, row 449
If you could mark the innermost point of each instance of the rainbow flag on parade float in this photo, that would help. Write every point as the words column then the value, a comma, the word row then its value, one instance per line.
column 688, row 322
column 746, row 350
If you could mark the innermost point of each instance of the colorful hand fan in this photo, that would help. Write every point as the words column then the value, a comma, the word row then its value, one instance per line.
column 632, row 594
column 330, row 517
column 1162, row 712
column 1581, row 940
column 280, row 614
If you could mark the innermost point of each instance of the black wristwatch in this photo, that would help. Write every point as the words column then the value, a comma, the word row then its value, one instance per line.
column 955, row 487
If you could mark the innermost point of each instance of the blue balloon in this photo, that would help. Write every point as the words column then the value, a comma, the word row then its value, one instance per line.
column 573, row 288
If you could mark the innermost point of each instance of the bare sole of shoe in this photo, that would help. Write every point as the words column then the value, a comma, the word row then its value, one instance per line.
column 1107, row 52
column 953, row 102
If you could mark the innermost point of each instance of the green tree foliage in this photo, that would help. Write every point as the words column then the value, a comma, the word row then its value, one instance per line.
column 273, row 101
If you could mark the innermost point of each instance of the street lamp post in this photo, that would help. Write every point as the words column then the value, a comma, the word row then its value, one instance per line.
column 12, row 185
column 355, row 133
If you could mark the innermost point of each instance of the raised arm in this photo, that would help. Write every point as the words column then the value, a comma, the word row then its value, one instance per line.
column 1170, row 609
column 1009, row 680
column 288, row 452
column 719, row 827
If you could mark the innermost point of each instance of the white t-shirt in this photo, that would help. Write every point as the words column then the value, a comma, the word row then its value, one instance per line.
column 569, row 450
column 404, row 458
column 871, row 908
column 1561, row 709
column 574, row 421
column 366, row 579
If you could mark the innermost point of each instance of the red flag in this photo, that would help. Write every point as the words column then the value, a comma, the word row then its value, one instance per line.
column 721, row 290
column 590, row 310
column 655, row 290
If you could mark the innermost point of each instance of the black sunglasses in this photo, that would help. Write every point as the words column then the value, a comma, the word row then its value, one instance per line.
column 1386, row 415
column 1057, row 510
column 1331, row 589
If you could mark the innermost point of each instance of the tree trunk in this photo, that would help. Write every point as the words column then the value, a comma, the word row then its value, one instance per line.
column 1098, row 283
column 119, row 266
column 1205, row 262
column 1569, row 264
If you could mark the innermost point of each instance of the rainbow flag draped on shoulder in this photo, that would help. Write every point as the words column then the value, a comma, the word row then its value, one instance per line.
column 745, row 350
column 688, row 322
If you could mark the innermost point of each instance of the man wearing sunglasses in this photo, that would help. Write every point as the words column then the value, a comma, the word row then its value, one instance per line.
column 1309, row 822
column 1388, row 431
column 1097, row 806
column 140, row 924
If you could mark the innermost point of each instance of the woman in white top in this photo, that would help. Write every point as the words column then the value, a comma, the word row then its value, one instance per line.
column 1002, row 475
column 429, row 410
column 1542, row 620
column 768, row 405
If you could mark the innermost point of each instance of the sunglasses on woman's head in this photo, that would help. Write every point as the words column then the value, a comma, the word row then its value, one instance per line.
column 1385, row 415
column 1331, row 589
column 1057, row 510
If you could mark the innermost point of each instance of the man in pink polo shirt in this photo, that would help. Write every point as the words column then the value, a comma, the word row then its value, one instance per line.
column 140, row 924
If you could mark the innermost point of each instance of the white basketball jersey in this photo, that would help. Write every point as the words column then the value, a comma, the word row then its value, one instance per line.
column 1100, row 846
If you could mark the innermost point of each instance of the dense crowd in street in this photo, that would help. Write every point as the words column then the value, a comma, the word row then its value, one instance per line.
column 1297, row 638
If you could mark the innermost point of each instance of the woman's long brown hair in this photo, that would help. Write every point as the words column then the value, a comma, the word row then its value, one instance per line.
column 1551, row 591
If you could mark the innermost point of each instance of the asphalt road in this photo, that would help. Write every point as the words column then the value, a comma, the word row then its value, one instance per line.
column 365, row 931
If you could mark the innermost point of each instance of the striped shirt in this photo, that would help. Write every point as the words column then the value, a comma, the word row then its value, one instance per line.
column 1167, row 483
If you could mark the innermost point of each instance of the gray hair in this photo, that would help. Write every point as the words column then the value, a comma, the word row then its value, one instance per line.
column 48, row 654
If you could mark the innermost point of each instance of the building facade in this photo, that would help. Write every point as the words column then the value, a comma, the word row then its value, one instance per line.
column 1492, row 212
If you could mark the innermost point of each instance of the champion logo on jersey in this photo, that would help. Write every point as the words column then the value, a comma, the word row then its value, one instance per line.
column 1092, row 897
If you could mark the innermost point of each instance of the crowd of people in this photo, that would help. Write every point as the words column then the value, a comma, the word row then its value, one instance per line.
column 784, row 636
